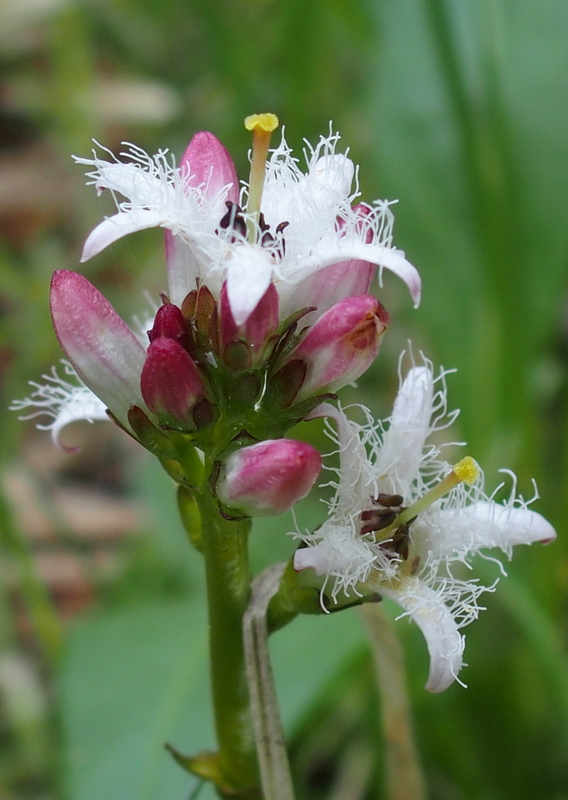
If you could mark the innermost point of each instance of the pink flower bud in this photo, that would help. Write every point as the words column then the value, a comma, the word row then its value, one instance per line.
column 342, row 344
column 171, row 383
column 169, row 322
column 210, row 166
column 266, row 479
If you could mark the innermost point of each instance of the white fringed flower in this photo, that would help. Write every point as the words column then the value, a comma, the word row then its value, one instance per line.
column 323, row 230
column 65, row 401
column 363, row 547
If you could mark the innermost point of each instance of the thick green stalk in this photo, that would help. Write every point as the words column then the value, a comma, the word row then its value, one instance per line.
column 225, row 549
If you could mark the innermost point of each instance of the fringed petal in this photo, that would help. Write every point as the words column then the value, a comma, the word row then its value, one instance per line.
column 444, row 641
column 114, row 228
column 349, row 248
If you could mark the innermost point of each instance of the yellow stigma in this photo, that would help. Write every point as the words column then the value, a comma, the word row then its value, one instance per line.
column 262, row 122
column 261, row 126
column 467, row 470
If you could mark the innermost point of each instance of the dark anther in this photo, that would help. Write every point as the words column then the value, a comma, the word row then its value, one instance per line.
column 388, row 500
column 414, row 566
column 234, row 220
column 377, row 519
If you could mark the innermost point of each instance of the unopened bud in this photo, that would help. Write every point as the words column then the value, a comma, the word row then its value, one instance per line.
column 267, row 478
column 170, row 382
column 342, row 344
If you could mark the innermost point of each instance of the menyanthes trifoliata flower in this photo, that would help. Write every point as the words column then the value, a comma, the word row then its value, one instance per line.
column 403, row 522
column 267, row 307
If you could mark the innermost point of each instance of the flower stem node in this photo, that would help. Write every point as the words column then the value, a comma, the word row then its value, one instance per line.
column 267, row 478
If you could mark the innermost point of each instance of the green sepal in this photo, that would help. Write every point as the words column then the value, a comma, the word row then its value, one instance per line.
column 204, row 765
column 301, row 411
column 285, row 385
column 284, row 340
column 190, row 516
column 204, row 414
column 152, row 438
column 243, row 392
column 302, row 593
column 237, row 356
column 205, row 321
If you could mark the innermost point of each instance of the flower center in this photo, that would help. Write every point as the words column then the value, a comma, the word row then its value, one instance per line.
column 234, row 220
column 393, row 521
column 262, row 126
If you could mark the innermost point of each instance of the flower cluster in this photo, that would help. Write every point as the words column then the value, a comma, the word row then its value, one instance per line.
column 268, row 313
column 402, row 519
column 268, row 310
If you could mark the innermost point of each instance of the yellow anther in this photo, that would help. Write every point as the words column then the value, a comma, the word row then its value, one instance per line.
column 262, row 122
column 467, row 470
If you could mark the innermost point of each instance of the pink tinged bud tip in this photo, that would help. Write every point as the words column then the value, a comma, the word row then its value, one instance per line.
column 171, row 384
column 266, row 479
column 104, row 351
column 168, row 322
column 210, row 166
column 342, row 344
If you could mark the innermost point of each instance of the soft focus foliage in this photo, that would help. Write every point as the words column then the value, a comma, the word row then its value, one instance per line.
column 459, row 110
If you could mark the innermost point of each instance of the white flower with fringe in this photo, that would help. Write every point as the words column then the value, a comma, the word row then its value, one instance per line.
column 300, row 230
column 405, row 523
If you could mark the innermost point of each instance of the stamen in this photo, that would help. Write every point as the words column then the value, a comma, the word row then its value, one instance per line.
column 465, row 471
column 261, row 126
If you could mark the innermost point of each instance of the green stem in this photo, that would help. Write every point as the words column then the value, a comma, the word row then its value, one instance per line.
column 225, row 550
column 404, row 777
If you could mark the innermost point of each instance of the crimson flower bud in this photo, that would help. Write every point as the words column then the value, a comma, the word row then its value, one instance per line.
column 170, row 382
column 342, row 344
column 267, row 478
column 169, row 322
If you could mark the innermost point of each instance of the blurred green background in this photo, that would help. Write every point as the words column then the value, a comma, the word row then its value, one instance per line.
column 457, row 108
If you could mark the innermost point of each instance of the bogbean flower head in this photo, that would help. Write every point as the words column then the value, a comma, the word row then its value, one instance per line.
column 405, row 523
column 267, row 310
column 301, row 231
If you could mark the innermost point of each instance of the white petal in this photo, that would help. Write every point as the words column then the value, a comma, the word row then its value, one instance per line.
column 82, row 405
column 483, row 525
column 347, row 248
column 332, row 174
column 249, row 271
column 62, row 400
column 183, row 268
column 444, row 641
column 403, row 443
column 117, row 226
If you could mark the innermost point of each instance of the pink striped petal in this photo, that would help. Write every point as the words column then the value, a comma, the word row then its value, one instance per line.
column 207, row 166
column 105, row 353
column 342, row 344
column 326, row 287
